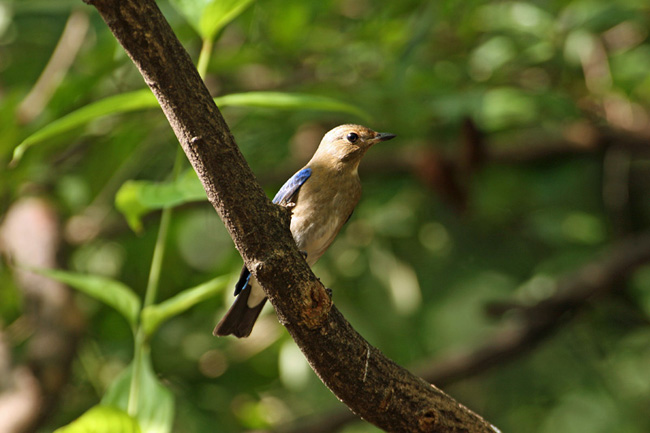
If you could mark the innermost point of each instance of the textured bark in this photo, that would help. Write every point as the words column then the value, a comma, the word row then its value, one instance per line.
column 594, row 282
column 370, row 384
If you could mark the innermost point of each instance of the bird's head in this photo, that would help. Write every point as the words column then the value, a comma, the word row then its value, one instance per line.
column 345, row 145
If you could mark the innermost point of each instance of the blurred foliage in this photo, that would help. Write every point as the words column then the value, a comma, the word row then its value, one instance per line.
column 528, row 74
column 102, row 419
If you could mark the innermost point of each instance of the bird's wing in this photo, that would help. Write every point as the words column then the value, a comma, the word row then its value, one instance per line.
column 284, row 196
column 244, row 278
column 291, row 187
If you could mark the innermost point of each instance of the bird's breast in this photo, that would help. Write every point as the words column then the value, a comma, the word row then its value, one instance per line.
column 321, row 209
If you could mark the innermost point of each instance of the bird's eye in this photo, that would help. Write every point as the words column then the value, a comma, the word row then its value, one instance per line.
column 352, row 137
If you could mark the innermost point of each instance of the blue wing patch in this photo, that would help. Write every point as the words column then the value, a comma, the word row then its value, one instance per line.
column 284, row 196
column 244, row 278
column 291, row 187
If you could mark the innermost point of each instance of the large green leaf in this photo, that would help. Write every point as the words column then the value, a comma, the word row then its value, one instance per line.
column 122, row 103
column 138, row 197
column 110, row 292
column 102, row 419
column 141, row 99
column 155, row 403
column 208, row 17
column 154, row 315
column 290, row 101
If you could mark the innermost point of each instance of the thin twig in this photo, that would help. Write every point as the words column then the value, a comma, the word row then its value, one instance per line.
column 66, row 51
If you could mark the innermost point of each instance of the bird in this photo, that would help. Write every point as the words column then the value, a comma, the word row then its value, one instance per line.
column 321, row 196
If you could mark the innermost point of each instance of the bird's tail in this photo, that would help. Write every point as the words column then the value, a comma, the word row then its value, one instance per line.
column 239, row 320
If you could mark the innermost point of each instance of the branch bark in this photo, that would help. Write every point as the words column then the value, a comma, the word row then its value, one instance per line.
column 592, row 282
column 357, row 373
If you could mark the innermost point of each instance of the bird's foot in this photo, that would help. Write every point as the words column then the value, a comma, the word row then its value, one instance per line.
column 327, row 289
column 290, row 206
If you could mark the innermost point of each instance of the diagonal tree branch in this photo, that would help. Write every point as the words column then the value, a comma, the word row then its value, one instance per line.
column 604, row 276
column 592, row 282
column 360, row 375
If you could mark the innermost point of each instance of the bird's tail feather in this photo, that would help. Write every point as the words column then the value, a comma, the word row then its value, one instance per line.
column 239, row 320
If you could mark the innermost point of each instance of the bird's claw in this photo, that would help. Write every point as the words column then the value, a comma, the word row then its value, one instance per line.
column 290, row 206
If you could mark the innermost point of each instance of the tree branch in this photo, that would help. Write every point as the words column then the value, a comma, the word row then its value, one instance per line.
column 358, row 374
column 596, row 279
column 573, row 292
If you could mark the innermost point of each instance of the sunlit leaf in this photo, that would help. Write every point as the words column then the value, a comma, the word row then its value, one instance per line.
column 142, row 99
column 155, row 403
column 102, row 419
column 136, row 198
column 154, row 315
column 191, row 10
column 290, row 101
column 209, row 16
column 110, row 292
column 218, row 14
column 122, row 103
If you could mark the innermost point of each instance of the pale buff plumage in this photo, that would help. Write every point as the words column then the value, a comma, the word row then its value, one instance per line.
column 320, row 208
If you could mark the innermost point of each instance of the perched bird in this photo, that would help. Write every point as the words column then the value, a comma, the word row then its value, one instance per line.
column 322, row 196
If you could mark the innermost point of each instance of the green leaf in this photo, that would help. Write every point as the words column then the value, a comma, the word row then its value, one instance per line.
column 122, row 103
column 155, row 408
column 137, row 197
column 290, row 101
column 208, row 17
column 102, row 419
column 218, row 14
column 154, row 315
column 110, row 292
column 191, row 10
column 141, row 99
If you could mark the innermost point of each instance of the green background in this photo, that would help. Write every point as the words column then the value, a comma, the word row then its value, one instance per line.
column 432, row 242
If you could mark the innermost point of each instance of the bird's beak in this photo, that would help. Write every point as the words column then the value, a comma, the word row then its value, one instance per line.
column 383, row 136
